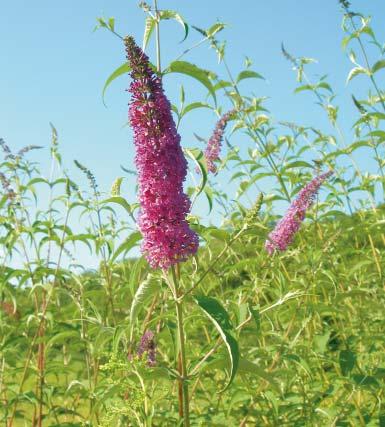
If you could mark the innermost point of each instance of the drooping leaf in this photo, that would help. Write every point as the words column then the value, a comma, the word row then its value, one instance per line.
column 188, row 69
column 355, row 72
column 120, row 201
column 196, row 156
column 123, row 69
column 221, row 320
column 194, row 106
column 148, row 29
column 171, row 14
column 214, row 29
column 245, row 366
column 145, row 291
column 248, row 74
column 379, row 65
column 128, row 244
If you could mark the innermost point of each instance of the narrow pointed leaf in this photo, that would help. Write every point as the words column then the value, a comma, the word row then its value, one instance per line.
column 248, row 74
column 171, row 14
column 148, row 30
column 188, row 69
column 123, row 69
column 221, row 320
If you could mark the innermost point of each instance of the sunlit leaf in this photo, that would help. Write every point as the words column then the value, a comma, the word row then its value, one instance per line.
column 221, row 320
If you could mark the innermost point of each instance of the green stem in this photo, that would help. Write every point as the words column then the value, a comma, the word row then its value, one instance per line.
column 255, row 135
column 182, row 351
column 363, row 50
column 158, row 65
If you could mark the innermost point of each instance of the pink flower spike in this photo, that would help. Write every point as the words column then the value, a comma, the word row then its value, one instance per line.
column 214, row 144
column 283, row 234
column 161, row 165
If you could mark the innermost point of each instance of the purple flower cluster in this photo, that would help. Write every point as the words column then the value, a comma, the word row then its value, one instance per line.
column 162, row 167
column 215, row 142
column 147, row 345
column 283, row 234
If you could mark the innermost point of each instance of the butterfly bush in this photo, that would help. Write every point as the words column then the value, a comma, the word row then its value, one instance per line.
column 161, row 165
column 215, row 142
column 283, row 234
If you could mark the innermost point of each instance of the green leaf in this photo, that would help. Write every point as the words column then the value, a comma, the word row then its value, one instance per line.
column 148, row 29
column 123, row 69
column 254, row 311
column 355, row 72
column 221, row 320
column 248, row 74
column 63, row 337
column 245, row 366
column 325, row 85
column 128, row 244
column 144, row 292
column 120, row 201
column 183, row 67
column 214, row 29
column 220, row 234
column 303, row 88
column 194, row 106
column 379, row 65
column 222, row 84
column 378, row 134
column 196, row 156
column 298, row 164
column 171, row 14
column 320, row 342
column 365, row 380
column 111, row 23
column 347, row 361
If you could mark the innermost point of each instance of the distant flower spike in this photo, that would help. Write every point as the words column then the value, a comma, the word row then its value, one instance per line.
column 215, row 142
column 7, row 151
column 283, row 234
column 161, row 165
column 147, row 345
column 11, row 195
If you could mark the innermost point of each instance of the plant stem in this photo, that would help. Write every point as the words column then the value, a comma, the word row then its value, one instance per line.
column 182, row 352
column 363, row 50
column 158, row 65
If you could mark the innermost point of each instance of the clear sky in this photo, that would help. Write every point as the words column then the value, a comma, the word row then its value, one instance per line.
column 53, row 67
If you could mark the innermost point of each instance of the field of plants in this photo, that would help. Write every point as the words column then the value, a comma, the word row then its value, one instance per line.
column 272, row 314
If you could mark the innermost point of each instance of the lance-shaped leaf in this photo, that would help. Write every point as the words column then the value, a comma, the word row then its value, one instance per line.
column 128, row 244
column 221, row 320
column 197, row 156
column 146, row 289
column 355, row 72
column 171, row 14
column 123, row 69
column 248, row 74
column 379, row 65
column 120, row 201
column 150, row 23
column 184, row 67
column 148, row 29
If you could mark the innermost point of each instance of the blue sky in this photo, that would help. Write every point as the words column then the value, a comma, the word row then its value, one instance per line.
column 53, row 67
